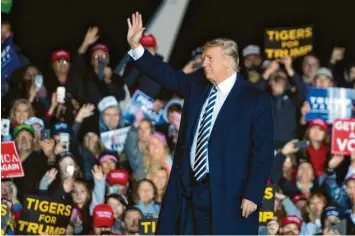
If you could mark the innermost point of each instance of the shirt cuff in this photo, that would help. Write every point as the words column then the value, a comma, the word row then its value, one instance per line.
column 137, row 52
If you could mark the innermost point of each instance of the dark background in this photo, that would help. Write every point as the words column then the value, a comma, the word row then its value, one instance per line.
column 43, row 25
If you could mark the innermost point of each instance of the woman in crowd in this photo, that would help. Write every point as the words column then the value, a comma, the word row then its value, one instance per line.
column 146, row 193
column 159, row 176
column 136, row 143
column 119, row 204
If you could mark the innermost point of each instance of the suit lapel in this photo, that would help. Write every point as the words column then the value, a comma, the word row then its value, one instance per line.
column 198, row 98
column 230, row 105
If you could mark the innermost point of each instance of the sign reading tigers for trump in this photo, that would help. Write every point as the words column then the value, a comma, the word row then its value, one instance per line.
column 43, row 215
column 291, row 41
column 267, row 210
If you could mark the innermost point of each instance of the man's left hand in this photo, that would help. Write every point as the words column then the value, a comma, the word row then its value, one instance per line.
column 248, row 207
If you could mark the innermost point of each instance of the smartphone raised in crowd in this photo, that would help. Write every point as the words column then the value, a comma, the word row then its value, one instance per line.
column 38, row 81
column 302, row 144
column 5, row 127
column 45, row 134
column 64, row 139
column 61, row 94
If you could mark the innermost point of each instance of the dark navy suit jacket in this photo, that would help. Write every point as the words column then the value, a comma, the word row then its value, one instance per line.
column 240, row 152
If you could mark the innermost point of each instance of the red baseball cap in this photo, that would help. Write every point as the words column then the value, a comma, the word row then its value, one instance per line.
column 298, row 197
column 148, row 40
column 103, row 216
column 100, row 46
column 319, row 122
column 118, row 176
column 292, row 219
column 60, row 54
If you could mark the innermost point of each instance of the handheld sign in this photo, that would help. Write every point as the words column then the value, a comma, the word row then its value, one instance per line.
column 267, row 210
column 43, row 215
column 329, row 104
column 115, row 140
column 290, row 41
column 5, row 216
column 343, row 136
column 147, row 226
column 11, row 166
column 142, row 101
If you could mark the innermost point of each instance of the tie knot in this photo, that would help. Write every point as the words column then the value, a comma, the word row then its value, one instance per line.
column 214, row 89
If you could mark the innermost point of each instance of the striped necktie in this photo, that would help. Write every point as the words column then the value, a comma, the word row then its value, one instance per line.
column 200, row 165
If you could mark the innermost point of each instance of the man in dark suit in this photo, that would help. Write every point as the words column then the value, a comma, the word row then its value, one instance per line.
column 225, row 150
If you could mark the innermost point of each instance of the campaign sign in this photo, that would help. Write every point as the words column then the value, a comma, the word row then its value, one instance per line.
column 329, row 104
column 114, row 140
column 290, row 41
column 43, row 215
column 343, row 136
column 267, row 210
column 147, row 226
column 11, row 166
column 142, row 101
column 5, row 216
column 9, row 59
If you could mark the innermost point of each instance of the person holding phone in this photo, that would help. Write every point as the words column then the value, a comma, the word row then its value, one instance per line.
column 288, row 91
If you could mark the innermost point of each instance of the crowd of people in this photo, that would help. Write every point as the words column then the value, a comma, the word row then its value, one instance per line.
column 57, row 137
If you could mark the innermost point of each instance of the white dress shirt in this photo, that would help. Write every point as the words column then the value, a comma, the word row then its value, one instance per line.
column 223, row 89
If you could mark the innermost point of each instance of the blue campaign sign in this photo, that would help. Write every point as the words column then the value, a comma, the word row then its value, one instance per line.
column 142, row 101
column 9, row 59
column 329, row 104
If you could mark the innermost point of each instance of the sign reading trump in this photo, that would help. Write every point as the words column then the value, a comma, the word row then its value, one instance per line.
column 293, row 42
column 343, row 136
column 43, row 215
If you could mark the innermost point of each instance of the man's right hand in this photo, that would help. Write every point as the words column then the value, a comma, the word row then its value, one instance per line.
column 135, row 30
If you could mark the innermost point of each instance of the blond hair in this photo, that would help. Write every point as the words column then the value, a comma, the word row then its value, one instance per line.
column 17, row 103
column 229, row 49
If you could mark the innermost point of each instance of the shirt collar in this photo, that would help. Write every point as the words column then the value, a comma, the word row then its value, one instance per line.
column 226, row 86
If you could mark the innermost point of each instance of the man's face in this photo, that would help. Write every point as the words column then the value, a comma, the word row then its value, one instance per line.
column 5, row 31
column 21, row 113
column 123, row 189
column 316, row 206
column 278, row 82
column 111, row 117
column 174, row 118
column 144, row 131
column 99, row 230
column 305, row 173
column 290, row 229
column 322, row 81
column 24, row 141
column 98, row 55
column 131, row 221
column 252, row 60
column 214, row 64
column 331, row 220
column 310, row 66
column 61, row 66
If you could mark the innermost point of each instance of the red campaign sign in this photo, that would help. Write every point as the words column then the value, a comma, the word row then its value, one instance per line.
column 343, row 136
column 11, row 166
